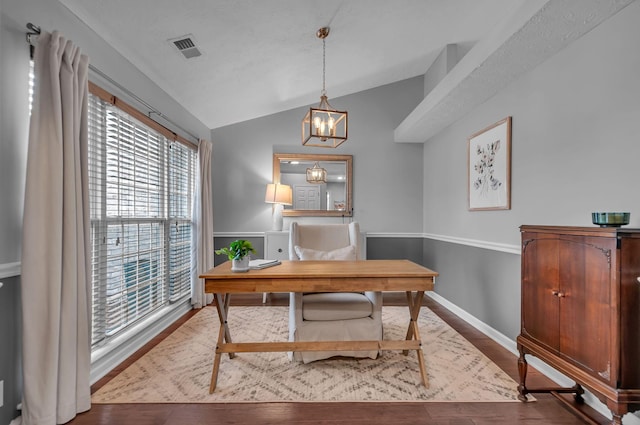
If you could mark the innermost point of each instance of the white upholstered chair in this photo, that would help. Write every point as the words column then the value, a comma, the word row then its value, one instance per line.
column 340, row 316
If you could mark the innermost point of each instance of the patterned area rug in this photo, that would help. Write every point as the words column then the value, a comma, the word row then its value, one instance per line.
column 178, row 369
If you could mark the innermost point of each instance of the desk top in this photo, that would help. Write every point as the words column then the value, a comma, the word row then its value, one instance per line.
column 323, row 276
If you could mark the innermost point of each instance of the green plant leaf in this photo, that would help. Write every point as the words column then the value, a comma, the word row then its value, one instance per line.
column 237, row 249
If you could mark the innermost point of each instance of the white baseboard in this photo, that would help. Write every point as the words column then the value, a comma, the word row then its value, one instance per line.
column 542, row 367
column 498, row 337
column 105, row 359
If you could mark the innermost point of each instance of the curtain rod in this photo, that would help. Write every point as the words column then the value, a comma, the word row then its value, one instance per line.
column 35, row 32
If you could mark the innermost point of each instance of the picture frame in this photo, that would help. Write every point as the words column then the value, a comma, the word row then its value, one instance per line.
column 489, row 167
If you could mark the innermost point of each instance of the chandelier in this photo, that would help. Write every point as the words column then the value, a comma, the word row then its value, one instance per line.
column 324, row 126
column 316, row 174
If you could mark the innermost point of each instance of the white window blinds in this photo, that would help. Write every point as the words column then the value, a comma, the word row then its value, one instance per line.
column 141, row 189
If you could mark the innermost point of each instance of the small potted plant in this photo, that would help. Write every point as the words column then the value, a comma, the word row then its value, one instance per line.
column 238, row 252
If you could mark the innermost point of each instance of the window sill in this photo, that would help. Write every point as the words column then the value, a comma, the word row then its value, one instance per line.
column 114, row 352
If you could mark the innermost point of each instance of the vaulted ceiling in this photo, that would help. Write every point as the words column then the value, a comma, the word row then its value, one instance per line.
column 259, row 57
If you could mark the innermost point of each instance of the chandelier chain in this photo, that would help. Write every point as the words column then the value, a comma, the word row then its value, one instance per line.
column 324, row 91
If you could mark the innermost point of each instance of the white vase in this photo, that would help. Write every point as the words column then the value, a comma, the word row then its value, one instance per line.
column 241, row 265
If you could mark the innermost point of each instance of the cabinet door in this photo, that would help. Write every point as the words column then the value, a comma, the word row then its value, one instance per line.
column 629, row 311
column 540, row 305
column 585, row 302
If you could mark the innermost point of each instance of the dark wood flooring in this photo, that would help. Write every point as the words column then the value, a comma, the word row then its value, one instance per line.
column 545, row 410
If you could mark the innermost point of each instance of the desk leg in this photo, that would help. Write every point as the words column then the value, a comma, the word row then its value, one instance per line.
column 415, row 303
column 216, row 362
column 420, row 354
column 222, row 306
column 414, row 311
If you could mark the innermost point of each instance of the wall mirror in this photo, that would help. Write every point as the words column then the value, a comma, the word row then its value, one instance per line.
column 328, row 198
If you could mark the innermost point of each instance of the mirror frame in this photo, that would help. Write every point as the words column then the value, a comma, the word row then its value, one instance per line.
column 278, row 157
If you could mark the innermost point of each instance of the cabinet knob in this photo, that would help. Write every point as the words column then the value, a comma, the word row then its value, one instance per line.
column 280, row 250
column 638, row 279
column 555, row 292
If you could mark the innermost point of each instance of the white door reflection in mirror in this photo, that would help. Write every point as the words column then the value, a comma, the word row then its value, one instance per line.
column 306, row 196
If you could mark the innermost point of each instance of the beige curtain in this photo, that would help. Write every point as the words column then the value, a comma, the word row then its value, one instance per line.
column 202, row 236
column 56, row 267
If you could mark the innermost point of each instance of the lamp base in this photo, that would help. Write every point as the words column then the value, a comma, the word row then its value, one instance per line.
column 277, row 217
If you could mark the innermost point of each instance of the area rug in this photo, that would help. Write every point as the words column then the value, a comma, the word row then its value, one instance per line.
column 178, row 370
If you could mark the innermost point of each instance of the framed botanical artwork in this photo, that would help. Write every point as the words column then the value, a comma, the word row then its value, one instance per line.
column 489, row 167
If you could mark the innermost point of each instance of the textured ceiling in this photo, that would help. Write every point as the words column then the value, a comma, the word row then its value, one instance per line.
column 262, row 56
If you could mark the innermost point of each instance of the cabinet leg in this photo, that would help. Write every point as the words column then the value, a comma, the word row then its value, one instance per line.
column 522, row 371
column 578, row 395
column 617, row 412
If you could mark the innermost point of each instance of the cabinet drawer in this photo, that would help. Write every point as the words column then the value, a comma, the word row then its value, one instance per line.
column 276, row 245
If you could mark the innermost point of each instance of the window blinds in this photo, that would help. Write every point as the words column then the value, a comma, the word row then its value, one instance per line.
column 141, row 189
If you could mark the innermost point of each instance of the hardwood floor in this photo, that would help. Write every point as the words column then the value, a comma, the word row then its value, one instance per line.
column 545, row 410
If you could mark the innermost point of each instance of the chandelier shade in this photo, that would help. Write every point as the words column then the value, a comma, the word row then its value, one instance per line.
column 324, row 126
column 316, row 174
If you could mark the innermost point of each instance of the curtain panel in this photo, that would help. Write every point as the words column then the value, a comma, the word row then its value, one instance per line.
column 202, row 242
column 56, row 282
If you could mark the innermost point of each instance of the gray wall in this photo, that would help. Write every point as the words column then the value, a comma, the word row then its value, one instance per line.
column 482, row 282
column 387, row 177
column 395, row 248
column 14, row 123
column 10, row 341
column 576, row 121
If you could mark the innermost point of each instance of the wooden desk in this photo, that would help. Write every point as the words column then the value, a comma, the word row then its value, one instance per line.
column 321, row 276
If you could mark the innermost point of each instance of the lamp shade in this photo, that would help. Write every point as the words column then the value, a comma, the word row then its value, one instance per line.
column 278, row 194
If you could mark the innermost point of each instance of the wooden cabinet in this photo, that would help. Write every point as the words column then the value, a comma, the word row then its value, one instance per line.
column 580, row 300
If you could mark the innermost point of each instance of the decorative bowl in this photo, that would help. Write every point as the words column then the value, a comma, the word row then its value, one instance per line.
column 610, row 219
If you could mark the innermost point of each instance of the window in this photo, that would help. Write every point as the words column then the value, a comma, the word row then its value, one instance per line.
column 141, row 188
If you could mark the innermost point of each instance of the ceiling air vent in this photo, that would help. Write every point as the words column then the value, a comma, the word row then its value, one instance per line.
column 186, row 46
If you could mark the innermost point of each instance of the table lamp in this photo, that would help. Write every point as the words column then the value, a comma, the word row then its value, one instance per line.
column 278, row 195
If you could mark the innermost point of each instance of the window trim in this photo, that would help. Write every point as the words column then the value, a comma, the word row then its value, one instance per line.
column 103, row 94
